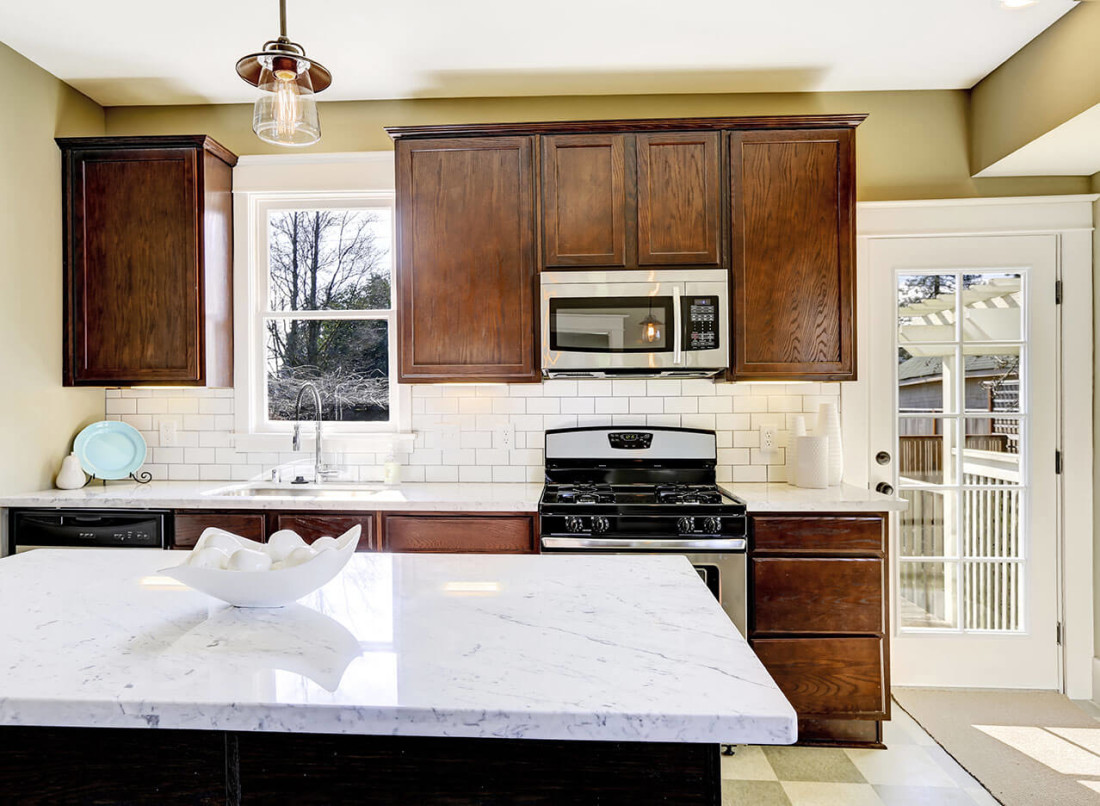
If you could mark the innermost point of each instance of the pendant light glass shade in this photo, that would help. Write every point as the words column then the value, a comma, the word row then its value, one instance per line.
column 285, row 114
column 286, row 111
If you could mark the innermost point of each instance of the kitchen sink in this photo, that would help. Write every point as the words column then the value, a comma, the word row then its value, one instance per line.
column 303, row 491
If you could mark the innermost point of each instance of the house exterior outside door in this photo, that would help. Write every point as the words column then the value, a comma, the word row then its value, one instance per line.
column 966, row 395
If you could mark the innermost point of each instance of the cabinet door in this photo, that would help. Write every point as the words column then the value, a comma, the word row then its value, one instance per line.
column 793, row 238
column 679, row 199
column 466, row 262
column 584, row 200
column 834, row 534
column 189, row 526
column 133, row 284
column 460, row 534
column 804, row 595
column 828, row 676
column 311, row 526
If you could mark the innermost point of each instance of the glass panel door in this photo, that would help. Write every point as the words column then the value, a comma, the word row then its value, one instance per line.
column 964, row 375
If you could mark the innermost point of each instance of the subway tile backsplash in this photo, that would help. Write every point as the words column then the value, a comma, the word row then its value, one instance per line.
column 482, row 432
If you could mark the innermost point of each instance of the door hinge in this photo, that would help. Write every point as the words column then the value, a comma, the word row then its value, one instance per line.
column 1058, row 462
column 1057, row 292
column 1058, row 633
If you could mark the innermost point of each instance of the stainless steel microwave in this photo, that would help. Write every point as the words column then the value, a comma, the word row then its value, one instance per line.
column 662, row 323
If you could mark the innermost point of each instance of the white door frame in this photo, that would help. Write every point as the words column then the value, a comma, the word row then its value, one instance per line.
column 1070, row 218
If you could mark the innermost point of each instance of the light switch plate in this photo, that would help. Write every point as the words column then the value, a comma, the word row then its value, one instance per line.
column 169, row 430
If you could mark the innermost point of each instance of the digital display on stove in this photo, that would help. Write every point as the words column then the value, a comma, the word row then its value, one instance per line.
column 630, row 440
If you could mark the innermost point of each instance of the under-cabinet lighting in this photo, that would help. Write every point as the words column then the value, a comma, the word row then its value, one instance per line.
column 1014, row 4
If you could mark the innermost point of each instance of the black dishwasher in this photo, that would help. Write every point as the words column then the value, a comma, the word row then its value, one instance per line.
column 88, row 528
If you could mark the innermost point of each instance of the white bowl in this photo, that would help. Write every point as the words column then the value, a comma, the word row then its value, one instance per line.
column 273, row 588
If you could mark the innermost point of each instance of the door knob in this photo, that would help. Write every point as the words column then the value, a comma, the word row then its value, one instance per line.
column 884, row 488
column 882, row 457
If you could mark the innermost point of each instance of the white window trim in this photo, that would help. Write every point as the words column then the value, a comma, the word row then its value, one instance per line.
column 263, row 183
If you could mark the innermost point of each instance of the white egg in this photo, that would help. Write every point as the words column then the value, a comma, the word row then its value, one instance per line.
column 209, row 557
column 218, row 539
column 248, row 560
column 325, row 544
column 280, row 544
column 300, row 555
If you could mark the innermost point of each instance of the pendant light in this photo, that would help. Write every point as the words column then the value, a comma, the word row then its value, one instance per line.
column 286, row 111
column 651, row 326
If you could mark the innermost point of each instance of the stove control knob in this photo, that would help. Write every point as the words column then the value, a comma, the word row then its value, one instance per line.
column 600, row 525
column 574, row 524
column 712, row 526
column 686, row 525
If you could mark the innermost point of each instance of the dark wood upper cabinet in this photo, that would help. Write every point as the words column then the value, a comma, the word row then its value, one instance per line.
column 584, row 200
column 631, row 200
column 793, row 242
column 679, row 199
column 148, row 261
column 466, row 267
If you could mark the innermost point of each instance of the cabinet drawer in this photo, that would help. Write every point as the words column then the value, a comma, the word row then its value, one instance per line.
column 827, row 677
column 796, row 595
column 189, row 526
column 311, row 527
column 840, row 534
column 500, row 534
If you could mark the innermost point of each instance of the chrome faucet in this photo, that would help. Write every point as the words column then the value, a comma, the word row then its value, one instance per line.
column 319, row 469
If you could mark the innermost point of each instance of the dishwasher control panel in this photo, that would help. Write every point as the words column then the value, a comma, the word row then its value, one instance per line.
column 88, row 528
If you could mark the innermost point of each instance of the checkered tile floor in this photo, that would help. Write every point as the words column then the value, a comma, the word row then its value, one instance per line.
column 913, row 771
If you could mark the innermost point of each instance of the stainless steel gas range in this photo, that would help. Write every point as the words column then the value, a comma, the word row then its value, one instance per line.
column 646, row 489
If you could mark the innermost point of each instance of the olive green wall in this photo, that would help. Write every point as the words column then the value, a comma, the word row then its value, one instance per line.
column 38, row 417
column 1054, row 78
column 914, row 145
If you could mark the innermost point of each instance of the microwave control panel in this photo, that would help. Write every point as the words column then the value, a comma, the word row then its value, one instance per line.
column 700, row 323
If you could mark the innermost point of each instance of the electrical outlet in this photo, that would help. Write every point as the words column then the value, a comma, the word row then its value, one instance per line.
column 504, row 436
column 767, row 438
column 168, row 432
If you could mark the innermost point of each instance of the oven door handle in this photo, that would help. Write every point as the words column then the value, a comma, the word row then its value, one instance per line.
column 677, row 327
column 646, row 544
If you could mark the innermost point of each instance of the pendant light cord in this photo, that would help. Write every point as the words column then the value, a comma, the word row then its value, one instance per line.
column 282, row 19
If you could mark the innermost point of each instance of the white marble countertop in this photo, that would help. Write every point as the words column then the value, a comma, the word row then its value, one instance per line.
column 785, row 498
column 538, row 647
column 459, row 497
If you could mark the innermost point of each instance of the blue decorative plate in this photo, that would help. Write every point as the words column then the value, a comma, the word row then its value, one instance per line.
column 110, row 449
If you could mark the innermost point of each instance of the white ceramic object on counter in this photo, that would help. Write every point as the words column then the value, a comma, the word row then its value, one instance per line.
column 71, row 475
column 828, row 426
column 812, row 469
column 798, row 429
column 269, row 582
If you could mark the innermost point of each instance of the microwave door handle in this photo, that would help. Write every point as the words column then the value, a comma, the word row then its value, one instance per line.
column 677, row 328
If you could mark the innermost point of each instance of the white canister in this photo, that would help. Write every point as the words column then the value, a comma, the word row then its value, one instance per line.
column 812, row 469
column 71, row 475
column 798, row 429
column 828, row 425
column 391, row 471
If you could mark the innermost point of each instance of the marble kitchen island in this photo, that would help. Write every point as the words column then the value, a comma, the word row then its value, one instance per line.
column 407, row 679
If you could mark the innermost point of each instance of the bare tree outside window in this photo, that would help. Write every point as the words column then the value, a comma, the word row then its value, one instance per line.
column 323, row 261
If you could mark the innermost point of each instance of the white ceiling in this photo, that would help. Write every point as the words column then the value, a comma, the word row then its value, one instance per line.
column 125, row 52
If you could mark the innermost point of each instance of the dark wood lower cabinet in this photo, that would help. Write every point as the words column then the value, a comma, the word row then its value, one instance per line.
column 818, row 621
column 512, row 533
column 827, row 677
column 40, row 765
column 449, row 532
column 189, row 526
column 314, row 525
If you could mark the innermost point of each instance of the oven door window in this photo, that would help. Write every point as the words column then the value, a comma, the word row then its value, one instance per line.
column 611, row 325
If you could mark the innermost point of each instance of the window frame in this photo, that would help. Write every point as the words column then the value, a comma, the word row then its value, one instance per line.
column 253, row 431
